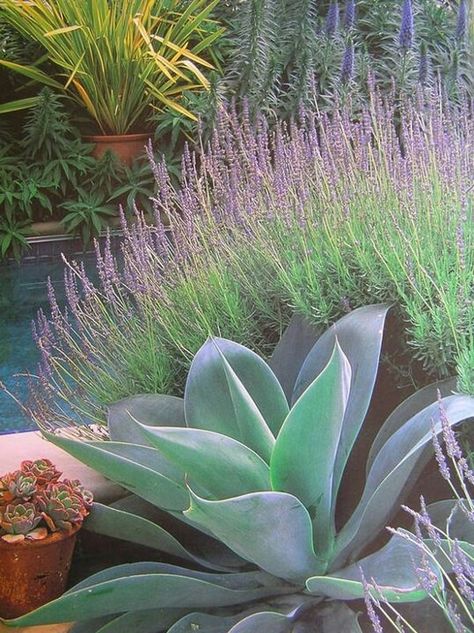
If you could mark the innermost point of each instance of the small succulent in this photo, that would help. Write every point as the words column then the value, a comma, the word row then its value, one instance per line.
column 44, row 471
column 19, row 520
column 249, row 467
column 35, row 503
column 61, row 508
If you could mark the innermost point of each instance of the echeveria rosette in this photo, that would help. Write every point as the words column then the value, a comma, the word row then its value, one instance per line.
column 252, row 476
column 43, row 470
column 6, row 482
column 61, row 508
column 18, row 520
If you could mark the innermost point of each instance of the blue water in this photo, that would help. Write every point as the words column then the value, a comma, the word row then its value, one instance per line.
column 23, row 290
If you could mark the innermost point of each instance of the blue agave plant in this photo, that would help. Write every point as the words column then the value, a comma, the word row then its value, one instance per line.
column 247, row 469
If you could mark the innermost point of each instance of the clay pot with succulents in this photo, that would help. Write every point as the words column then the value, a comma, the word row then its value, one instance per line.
column 40, row 515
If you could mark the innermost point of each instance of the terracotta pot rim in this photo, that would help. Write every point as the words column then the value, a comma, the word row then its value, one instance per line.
column 117, row 138
column 54, row 537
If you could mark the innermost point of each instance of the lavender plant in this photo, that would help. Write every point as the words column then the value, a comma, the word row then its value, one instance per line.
column 317, row 218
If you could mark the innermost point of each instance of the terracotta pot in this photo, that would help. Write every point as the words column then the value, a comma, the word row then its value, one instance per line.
column 125, row 146
column 34, row 572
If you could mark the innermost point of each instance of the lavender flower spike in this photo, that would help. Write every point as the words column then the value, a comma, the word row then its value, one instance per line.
column 424, row 66
column 332, row 19
column 461, row 25
column 347, row 68
column 349, row 15
column 407, row 27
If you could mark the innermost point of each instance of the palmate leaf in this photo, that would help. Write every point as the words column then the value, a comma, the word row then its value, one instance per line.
column 145, row 586
column 231, row 390
column 150, row 409
column 217, row 463
column 391, row 473
column 270, row 529
column 393, row 569
column 303, row 458
column 360, row 335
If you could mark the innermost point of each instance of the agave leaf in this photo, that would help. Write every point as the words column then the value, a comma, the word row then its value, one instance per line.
column 136, row 529
column 270, row 529
column 140, row 469
column 195, row 622
column 164, row 589
column 149, row 621
column 333, row 617
column 303, row 457
column 231, row 390
column 406, row 410
column 392, row 569
column 391, row 474
column 218, row 463
column 291, row 351
column 266, row 621
column 91, row 626
column 198, row 542
column 450, row 515
column 150, row 409
column 360, row 336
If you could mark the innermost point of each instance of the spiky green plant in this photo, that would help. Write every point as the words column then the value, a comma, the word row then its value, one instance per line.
column 251, row 462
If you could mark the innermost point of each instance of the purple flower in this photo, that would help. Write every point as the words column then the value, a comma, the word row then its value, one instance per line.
column 347, row 67
column 407, row 27
column 461, row 25
column 349, row 15
column 424, row 66
column 332, row 19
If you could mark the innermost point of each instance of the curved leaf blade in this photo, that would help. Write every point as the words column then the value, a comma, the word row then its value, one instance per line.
column 392, row 569
column 146, row 621
column 149, row 409
column 303, row 458
column 222, row 383
column 390, row 475
column 360, row 335
column 217, row 463
column 271, row 529
column 140, row 469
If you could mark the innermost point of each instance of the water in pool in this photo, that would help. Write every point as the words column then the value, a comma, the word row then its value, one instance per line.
column 23, row 290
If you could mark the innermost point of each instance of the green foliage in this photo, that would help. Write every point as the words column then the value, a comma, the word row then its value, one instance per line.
column 87, row 215
column 254, row 478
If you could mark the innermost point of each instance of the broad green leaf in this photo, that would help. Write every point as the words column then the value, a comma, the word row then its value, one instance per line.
column 291, row 351
column 91, row 626
column 219, row 464
column 230, row 390
column 270, row 529
column 303, row 458
column 360, row 335
column 146, row 621
column 145, row 591
column 140, row 469
column 450, row 515
column 393, row 569
column 266, row 621
column 151, row 409
column 136, row 529
column 406, row 410
column 197, row 622
column 391, row 474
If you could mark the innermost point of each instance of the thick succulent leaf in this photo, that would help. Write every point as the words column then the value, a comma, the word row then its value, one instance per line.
column 230, row 390
column 292, row 350
column 91, row 626
column 391, row 474
column 146, row 621
column 392, row 569
column 270, row 529
column 406, row 410
column 197, row 622
column 217, row 463
column 426, row 616
column 449, row 516
column 266, row 621
column 141, row 592
column 360, row 335
column 150, row 409
column 136, row 529
column 333, row 617
column 303, row 458
column 197, row 541
column 140, row 469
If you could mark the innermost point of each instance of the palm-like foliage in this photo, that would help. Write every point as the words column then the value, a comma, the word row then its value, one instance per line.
column 248, row 467
column 117, row 59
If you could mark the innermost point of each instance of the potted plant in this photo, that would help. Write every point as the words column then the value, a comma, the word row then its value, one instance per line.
column 117, row 60
column 40, row 515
